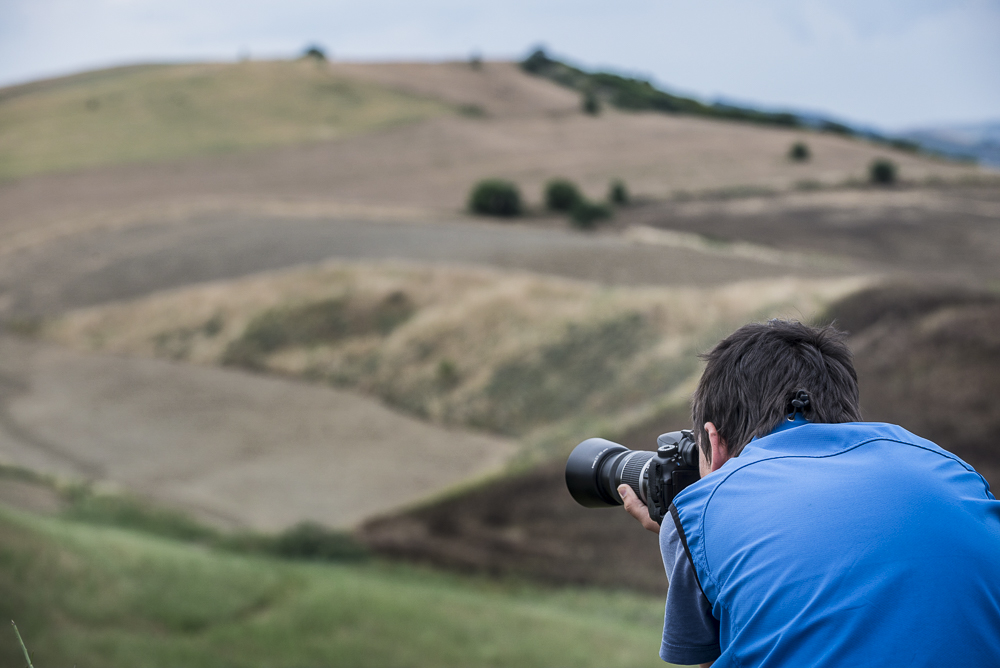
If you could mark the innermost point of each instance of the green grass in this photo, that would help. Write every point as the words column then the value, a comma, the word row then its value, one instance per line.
column 565, row 376
column 86, row 595
column 325, row 321
column 304, row 541
column 156, row 112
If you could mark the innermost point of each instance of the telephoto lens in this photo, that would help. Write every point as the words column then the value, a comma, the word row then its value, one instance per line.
column 596, row 468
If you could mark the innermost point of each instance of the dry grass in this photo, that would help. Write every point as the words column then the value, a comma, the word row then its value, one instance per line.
column 163, row 112
column 494, row 89
column 530, row 133
column 503, row 351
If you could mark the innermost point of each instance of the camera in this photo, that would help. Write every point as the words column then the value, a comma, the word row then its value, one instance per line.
column 596, row 468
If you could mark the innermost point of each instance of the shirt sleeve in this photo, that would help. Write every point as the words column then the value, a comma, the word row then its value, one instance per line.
column 690, row 632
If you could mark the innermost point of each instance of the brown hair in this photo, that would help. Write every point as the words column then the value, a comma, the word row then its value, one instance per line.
column 752, row 376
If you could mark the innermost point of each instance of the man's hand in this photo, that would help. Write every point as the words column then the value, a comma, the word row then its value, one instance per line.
column 637, row 509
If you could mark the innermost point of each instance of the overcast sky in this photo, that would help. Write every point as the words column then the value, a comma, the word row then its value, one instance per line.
column 890, row 63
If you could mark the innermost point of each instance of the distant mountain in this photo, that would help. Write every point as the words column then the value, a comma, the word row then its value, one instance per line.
column 979, row 141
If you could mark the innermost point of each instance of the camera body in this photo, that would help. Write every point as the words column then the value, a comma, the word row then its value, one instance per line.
column 596, row 468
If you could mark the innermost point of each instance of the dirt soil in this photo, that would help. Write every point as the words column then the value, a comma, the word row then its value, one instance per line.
column 528, row 526
column 235, row 449
column 99, row 266
column 944, row 233
column 928, row 358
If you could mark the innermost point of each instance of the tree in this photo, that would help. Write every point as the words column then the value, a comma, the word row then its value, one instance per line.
column 495, row 197
column 586, row 215
column 590, row 104
column 562, row 195
column 882, row 172
column 799, row 152
column 314, row 51
column 618, row 193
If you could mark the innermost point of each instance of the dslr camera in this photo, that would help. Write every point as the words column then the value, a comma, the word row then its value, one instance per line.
column 596, row 468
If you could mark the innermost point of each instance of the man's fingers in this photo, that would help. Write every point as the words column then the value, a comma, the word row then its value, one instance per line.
column 633, row 505
column 637, row 509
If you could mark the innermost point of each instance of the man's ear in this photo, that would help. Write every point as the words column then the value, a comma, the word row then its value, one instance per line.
column 720, row 453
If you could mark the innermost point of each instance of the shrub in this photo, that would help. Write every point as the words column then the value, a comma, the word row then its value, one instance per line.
column 314, row 323
column 84, row 505
column 590, row 104
column 562, row 195
column 494, row 197
column 309, row 540
column 447, row 374
column 836, row 128
column 799, row 152
column 904, row 145
column 618, row 193
column 882, row 171
column 305, row 541
column 314, row 51
column 586, row 215
column 536, row 62
column 471, row 110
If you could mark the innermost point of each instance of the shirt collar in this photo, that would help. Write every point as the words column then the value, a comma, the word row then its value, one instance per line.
column 786, row 424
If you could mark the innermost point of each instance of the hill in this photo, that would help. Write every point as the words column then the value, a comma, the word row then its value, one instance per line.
column 502, row 351
column 975, row 141
column 725, row 228
column 927, row 358
column 162, row 112
column 542, row 359
column 366, row 154
column 96, row 596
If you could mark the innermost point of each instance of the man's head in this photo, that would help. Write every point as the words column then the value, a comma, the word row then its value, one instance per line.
column 752, row 376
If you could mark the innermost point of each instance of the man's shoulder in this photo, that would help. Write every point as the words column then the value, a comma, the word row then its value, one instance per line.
column 791, row 450
column 825, row 439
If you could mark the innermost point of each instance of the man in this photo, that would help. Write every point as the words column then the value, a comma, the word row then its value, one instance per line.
column 814, row 539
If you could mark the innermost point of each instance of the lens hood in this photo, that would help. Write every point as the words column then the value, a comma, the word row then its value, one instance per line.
column 583, row 472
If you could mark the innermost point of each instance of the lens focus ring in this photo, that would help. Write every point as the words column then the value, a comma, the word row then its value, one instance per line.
column 631, row 472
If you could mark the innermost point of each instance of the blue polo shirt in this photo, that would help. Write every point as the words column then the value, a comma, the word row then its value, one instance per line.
column 844, row 545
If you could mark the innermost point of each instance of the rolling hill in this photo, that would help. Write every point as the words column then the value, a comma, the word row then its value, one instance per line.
column 155, row 197
column 98, row 596
column 162, row 112
column 387, row 138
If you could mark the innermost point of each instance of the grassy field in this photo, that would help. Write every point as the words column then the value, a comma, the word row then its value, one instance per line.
column 85, row 595
column 503, row 351
column 156, row 112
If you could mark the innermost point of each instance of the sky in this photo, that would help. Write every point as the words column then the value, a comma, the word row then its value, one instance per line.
column 890, row 64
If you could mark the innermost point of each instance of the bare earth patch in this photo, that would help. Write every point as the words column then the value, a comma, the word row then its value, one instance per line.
column 235, row 449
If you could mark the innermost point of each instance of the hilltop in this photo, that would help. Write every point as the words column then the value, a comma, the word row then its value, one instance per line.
column 151, row 113
column 392, row 139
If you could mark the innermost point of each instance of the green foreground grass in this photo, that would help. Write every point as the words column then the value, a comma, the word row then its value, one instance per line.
column 88, row 595
column 157, row 112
